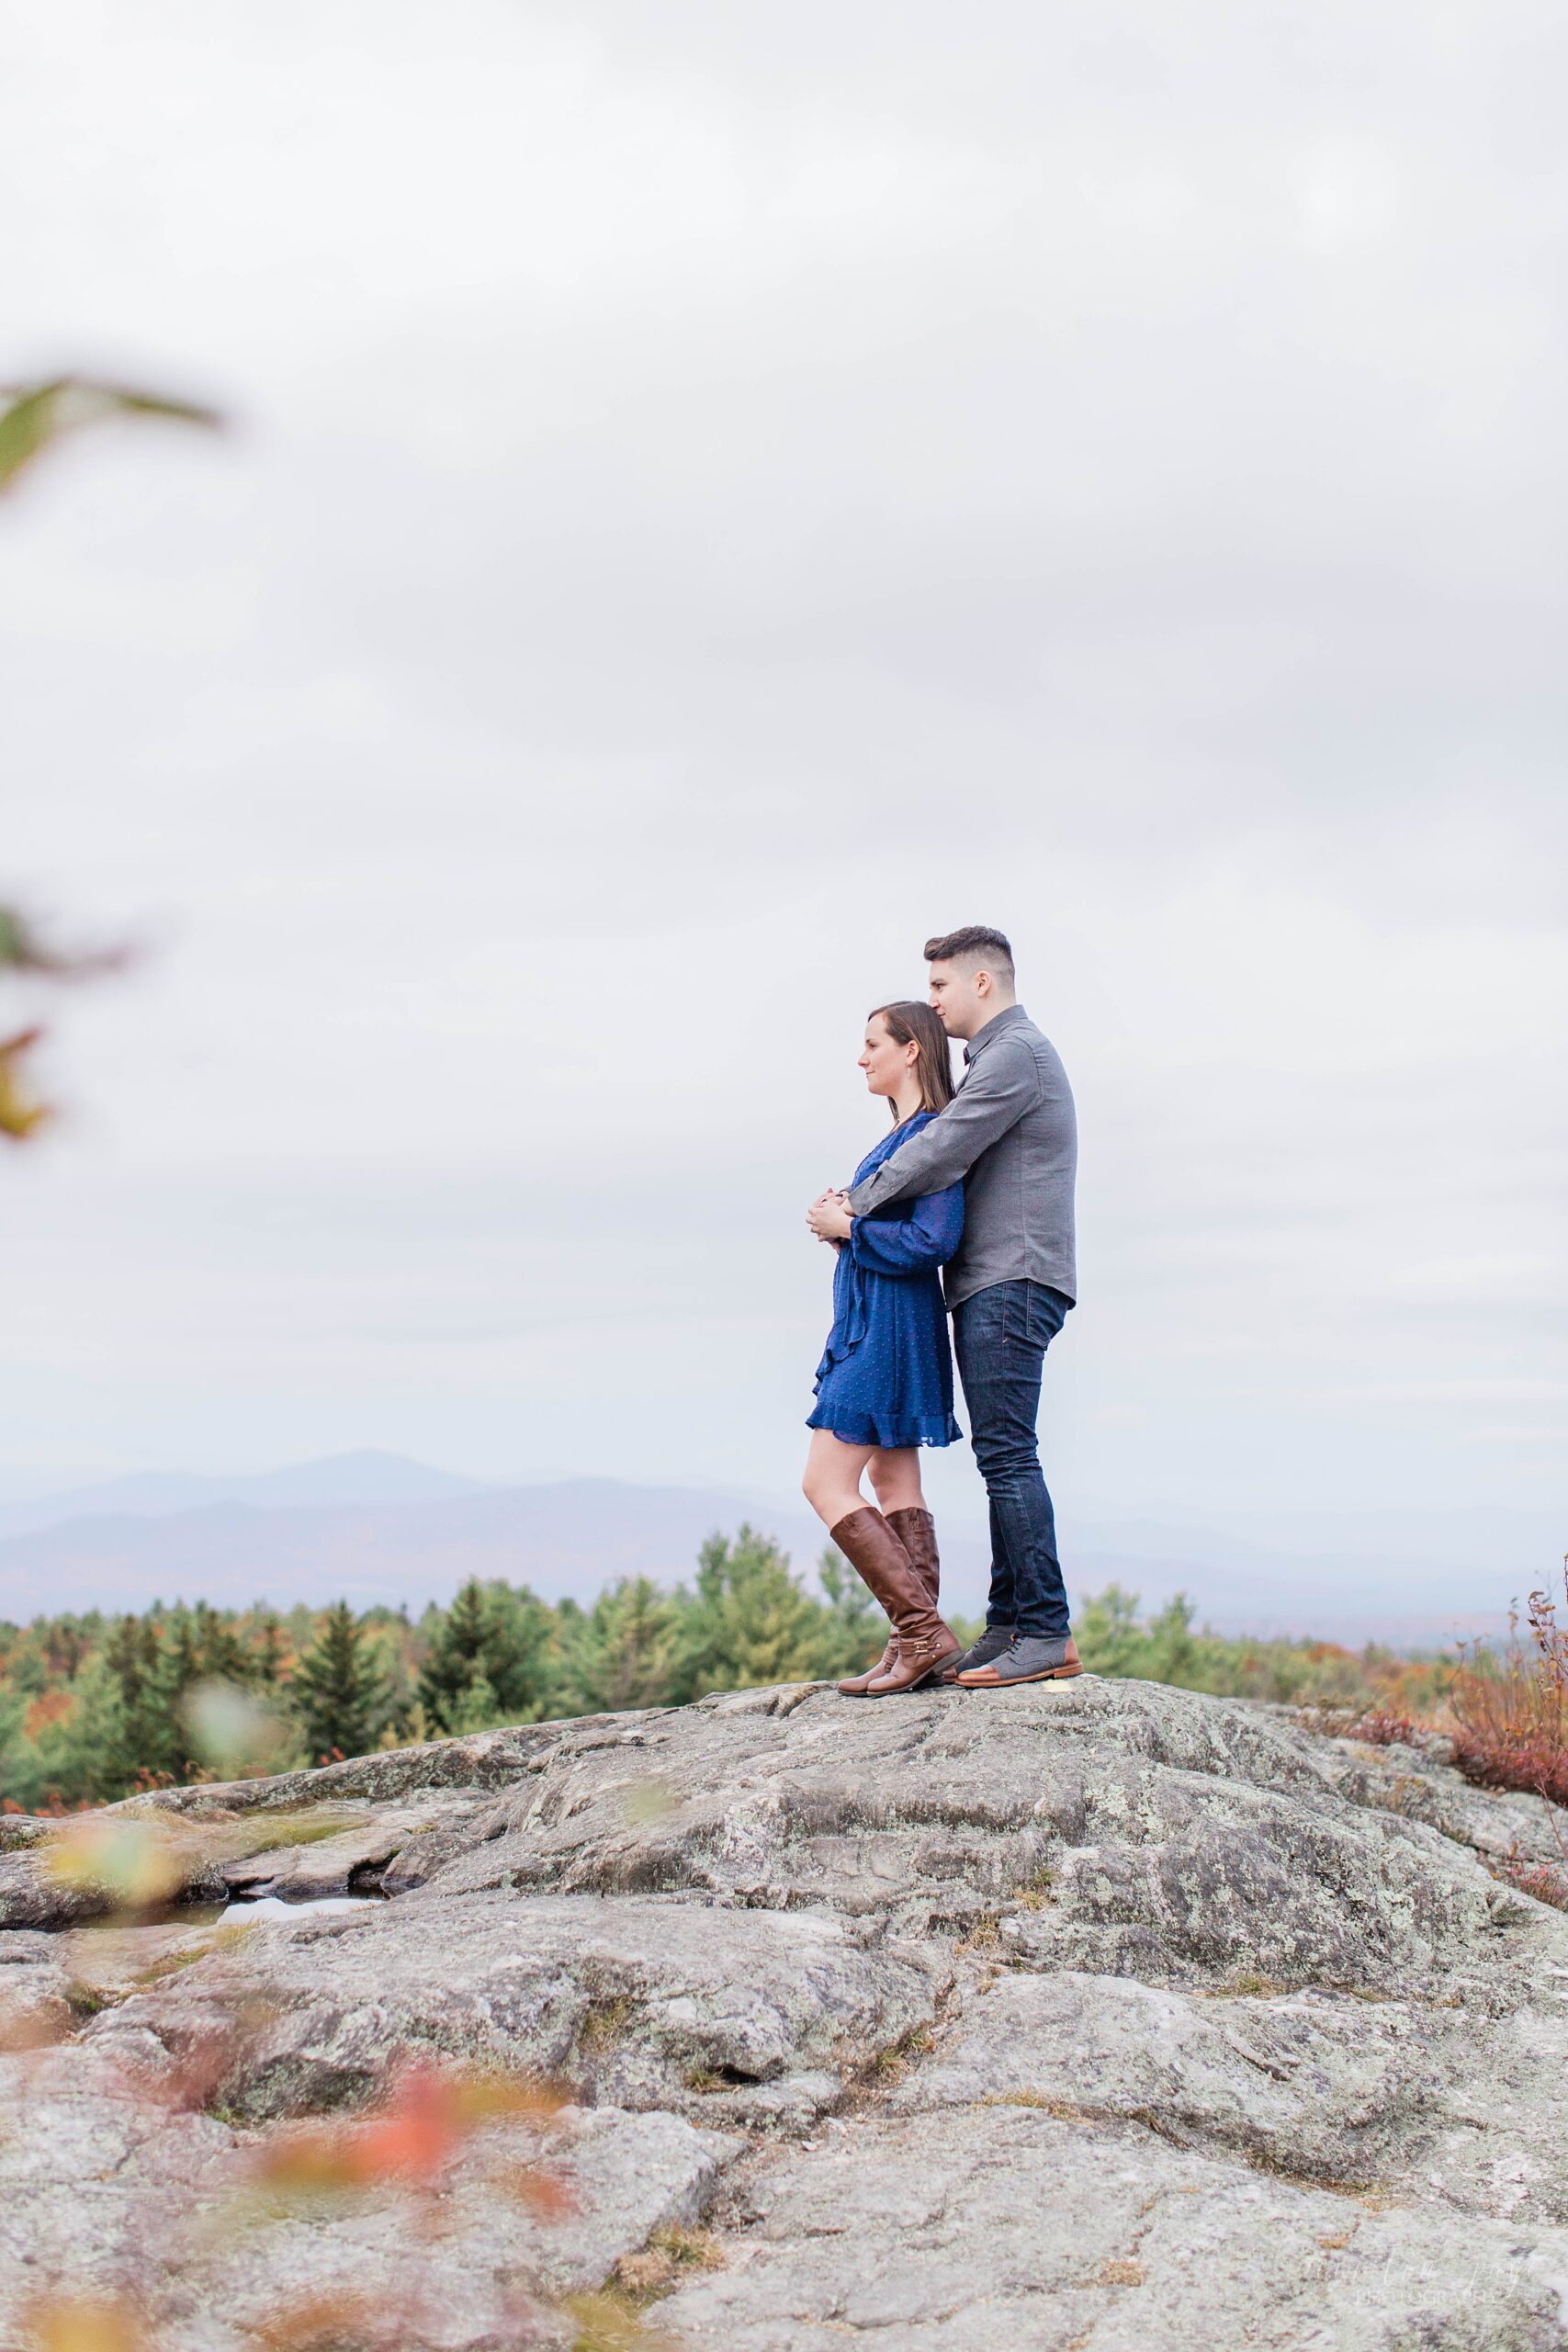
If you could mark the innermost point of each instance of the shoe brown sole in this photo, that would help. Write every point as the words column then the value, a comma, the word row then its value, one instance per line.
column 951, row 1670
column 933, row 1674
column 984, row 1680
column 853, row 1685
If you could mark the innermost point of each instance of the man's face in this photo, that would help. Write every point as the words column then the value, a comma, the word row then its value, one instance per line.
column 962, row 1005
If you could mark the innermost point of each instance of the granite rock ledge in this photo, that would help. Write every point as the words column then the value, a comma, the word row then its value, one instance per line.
column 1089, row 2016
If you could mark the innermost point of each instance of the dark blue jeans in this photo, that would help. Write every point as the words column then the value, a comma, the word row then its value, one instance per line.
column 1000, row 1337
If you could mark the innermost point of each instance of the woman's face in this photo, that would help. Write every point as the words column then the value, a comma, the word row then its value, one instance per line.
column 885, row 1061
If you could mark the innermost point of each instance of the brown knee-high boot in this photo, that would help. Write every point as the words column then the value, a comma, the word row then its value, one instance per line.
column 922, row 1643
column 916, row 1530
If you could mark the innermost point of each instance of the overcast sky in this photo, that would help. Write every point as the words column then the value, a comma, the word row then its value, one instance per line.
column 716, row 493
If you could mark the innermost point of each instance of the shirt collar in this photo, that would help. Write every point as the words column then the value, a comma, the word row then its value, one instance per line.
column 1008, row 1018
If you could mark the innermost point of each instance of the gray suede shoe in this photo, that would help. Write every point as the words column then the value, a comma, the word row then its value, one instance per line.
column 1030, row 1658
column 991, row 1643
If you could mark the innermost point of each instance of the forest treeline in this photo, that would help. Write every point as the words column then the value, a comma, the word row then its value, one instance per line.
column 94, row 1707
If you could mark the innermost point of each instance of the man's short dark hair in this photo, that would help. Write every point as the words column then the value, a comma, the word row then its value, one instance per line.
column 978, row 946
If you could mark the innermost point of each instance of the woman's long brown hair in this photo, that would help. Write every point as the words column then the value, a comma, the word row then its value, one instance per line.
column 909, row 1024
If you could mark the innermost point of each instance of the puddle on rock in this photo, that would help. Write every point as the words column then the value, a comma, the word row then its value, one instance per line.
column 114, row 1959
column 274, row 1907
column 203, row 1916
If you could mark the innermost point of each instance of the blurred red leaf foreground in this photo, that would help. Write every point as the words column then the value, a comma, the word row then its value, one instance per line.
column 410, row 2139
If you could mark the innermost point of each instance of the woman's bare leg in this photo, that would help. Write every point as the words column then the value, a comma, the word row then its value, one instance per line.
column 831, row 1481
column 896, row 1478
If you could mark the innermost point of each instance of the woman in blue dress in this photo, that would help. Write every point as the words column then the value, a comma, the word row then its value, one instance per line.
column 884, row 1384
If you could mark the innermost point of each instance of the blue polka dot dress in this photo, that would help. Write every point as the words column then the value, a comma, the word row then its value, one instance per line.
column 885, row 1377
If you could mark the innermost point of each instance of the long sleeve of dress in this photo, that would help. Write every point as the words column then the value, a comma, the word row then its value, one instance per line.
column 910, row 1245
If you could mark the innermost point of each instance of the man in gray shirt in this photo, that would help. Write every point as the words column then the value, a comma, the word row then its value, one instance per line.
column 1010, row 1133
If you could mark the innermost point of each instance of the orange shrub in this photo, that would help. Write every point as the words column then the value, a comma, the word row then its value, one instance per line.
column 1511, row 1716
column 51, row 1707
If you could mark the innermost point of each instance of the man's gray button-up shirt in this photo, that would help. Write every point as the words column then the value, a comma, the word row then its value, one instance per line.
column 1010, row 1132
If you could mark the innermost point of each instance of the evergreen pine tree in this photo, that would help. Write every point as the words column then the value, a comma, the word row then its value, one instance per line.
column 176, row 1671
column 477, row 1707
column 456, row 1658
column 26, row 1669
column 65, row 1645
column 491, row 1636
column 181, row 1652
column 13, row 1747
column 218, row 1647
column 750, row 1622
column 79, row 1756
column 621, row 1653
column 338, row 1691
column 266, row 1650
column 145, row 1736
column 521, row 1665
column 1108, row 1631
column 128, row 1659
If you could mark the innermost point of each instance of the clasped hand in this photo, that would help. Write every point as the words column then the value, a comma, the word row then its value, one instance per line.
column 828, row 1216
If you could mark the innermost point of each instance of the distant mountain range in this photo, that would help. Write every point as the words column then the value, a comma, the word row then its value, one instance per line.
column 376, row 1527
column 365, row 1478
column 372, row 1527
